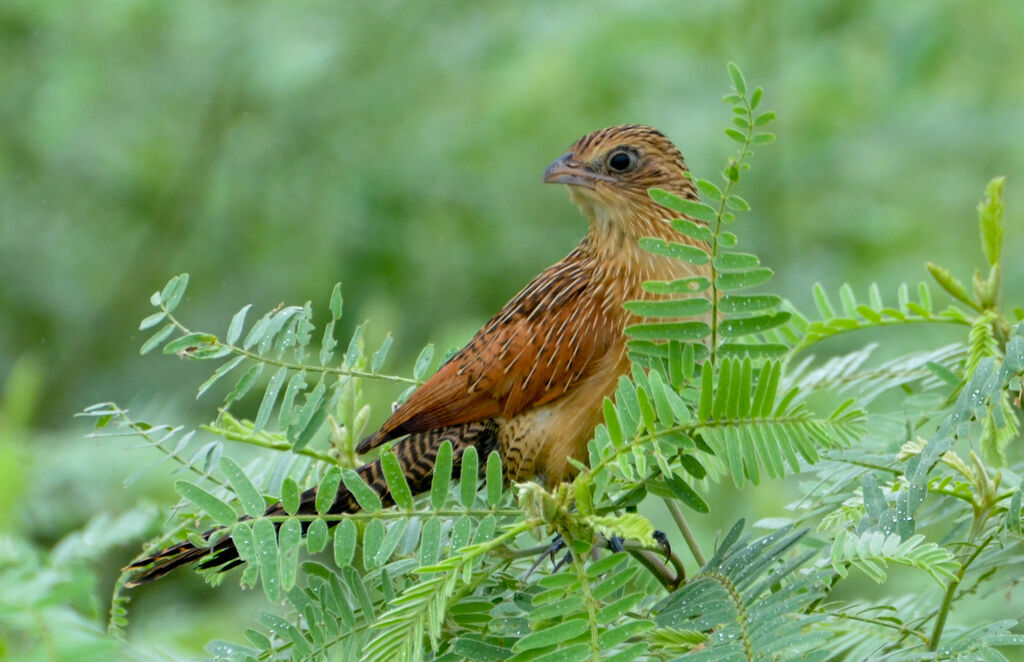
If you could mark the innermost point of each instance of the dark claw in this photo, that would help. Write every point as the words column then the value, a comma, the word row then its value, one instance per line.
column 557, row 544
column 564, row 561
column 662, row 540
column 615, row 543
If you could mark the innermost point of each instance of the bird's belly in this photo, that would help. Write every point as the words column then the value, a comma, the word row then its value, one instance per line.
column 538, row 442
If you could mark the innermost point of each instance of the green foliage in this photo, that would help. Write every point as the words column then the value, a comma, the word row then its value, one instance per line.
column 48, row 605
column 451, row 574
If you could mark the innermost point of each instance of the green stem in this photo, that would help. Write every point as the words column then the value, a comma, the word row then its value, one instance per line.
column 272, row 444
column 684, row 528
column 729, row 184
column 806, row 342
column 341, row 372
column 947, row 599
column 881, row 623
column 591, row 603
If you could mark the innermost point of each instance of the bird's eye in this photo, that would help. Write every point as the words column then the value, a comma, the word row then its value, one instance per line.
column 621, row 161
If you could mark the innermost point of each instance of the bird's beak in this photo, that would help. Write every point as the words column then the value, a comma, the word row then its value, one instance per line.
column 565, row 170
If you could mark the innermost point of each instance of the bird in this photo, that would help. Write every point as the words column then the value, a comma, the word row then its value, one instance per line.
column 531, row 383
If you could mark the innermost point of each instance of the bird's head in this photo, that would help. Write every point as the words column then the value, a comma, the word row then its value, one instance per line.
column 608, row 173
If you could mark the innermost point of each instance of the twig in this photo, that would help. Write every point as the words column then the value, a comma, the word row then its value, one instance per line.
column 684, row 528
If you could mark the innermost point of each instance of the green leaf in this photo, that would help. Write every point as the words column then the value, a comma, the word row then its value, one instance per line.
column 693, row 208
column 354, row 346
column 706, row 393
column 235, row 327
column 245, row 543
column 737, row 203
column 764, row 118
column 290, row 537
column 430, row 542
column 730, row 261
column 738, row 82
column 709, row 189
column 377, row 361
column 367, row 499
column 157, row 338
column 152, row 320
column 389, row 543
column 674, row 249
column 763, row 138
column 552, row 635
column 295, row 385
column 949, row 282
column 494, row 479
column 612, row 422
column 269, row 398
column 310, row 417
column 1013, row 513
column 290, row 496
column 691, row 307
column 739, row 303
column 736, row 135
column 943, row 373
column 373, row 537
column 693, row 230
column 336, row 302
column 616, row 636
column 328, row 344
column 755, row 98
column 478, row 651
column 423, row 361
column 316, row 536
column 247, row 493
column 741, row 326
column 174, row 291
column 245, row 382
column 242, row 536
column 442, row 475
column 328, row 490
column 990, row 221
column 738, row 280
column 680, row 286
column 224, row 369
column 686, row 494
column 344, row 543
column 266, row 550
column 395, row 478
column 753, row 350
column 669, row 331
column 221, row 512
column 469, row 477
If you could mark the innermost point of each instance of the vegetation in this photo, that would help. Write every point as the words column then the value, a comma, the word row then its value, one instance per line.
column 272, row 149
column 919, row 481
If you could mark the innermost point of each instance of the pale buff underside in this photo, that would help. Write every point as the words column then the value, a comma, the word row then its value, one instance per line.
column 538, row 442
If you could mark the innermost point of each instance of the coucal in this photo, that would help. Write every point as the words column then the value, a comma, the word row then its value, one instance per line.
column 531, row 382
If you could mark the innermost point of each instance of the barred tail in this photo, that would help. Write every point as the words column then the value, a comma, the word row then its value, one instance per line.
column 416, row 455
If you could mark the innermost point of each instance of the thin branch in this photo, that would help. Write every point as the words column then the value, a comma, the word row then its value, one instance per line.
column 684, row 528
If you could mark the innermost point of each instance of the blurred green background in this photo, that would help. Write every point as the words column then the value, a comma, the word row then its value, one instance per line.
column 272, row 149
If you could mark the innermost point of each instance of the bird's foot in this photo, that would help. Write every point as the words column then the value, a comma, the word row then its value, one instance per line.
column 662, row 540
column 557, row 545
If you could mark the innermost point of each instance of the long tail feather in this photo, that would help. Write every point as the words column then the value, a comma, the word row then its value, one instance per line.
column 416, row 455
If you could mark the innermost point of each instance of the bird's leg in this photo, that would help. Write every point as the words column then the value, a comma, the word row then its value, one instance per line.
column 564, row 561
column 557, row 544
column 669, row 572
column 662, row 540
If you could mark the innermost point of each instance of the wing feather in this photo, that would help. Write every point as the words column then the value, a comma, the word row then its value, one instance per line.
column 547, row 338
